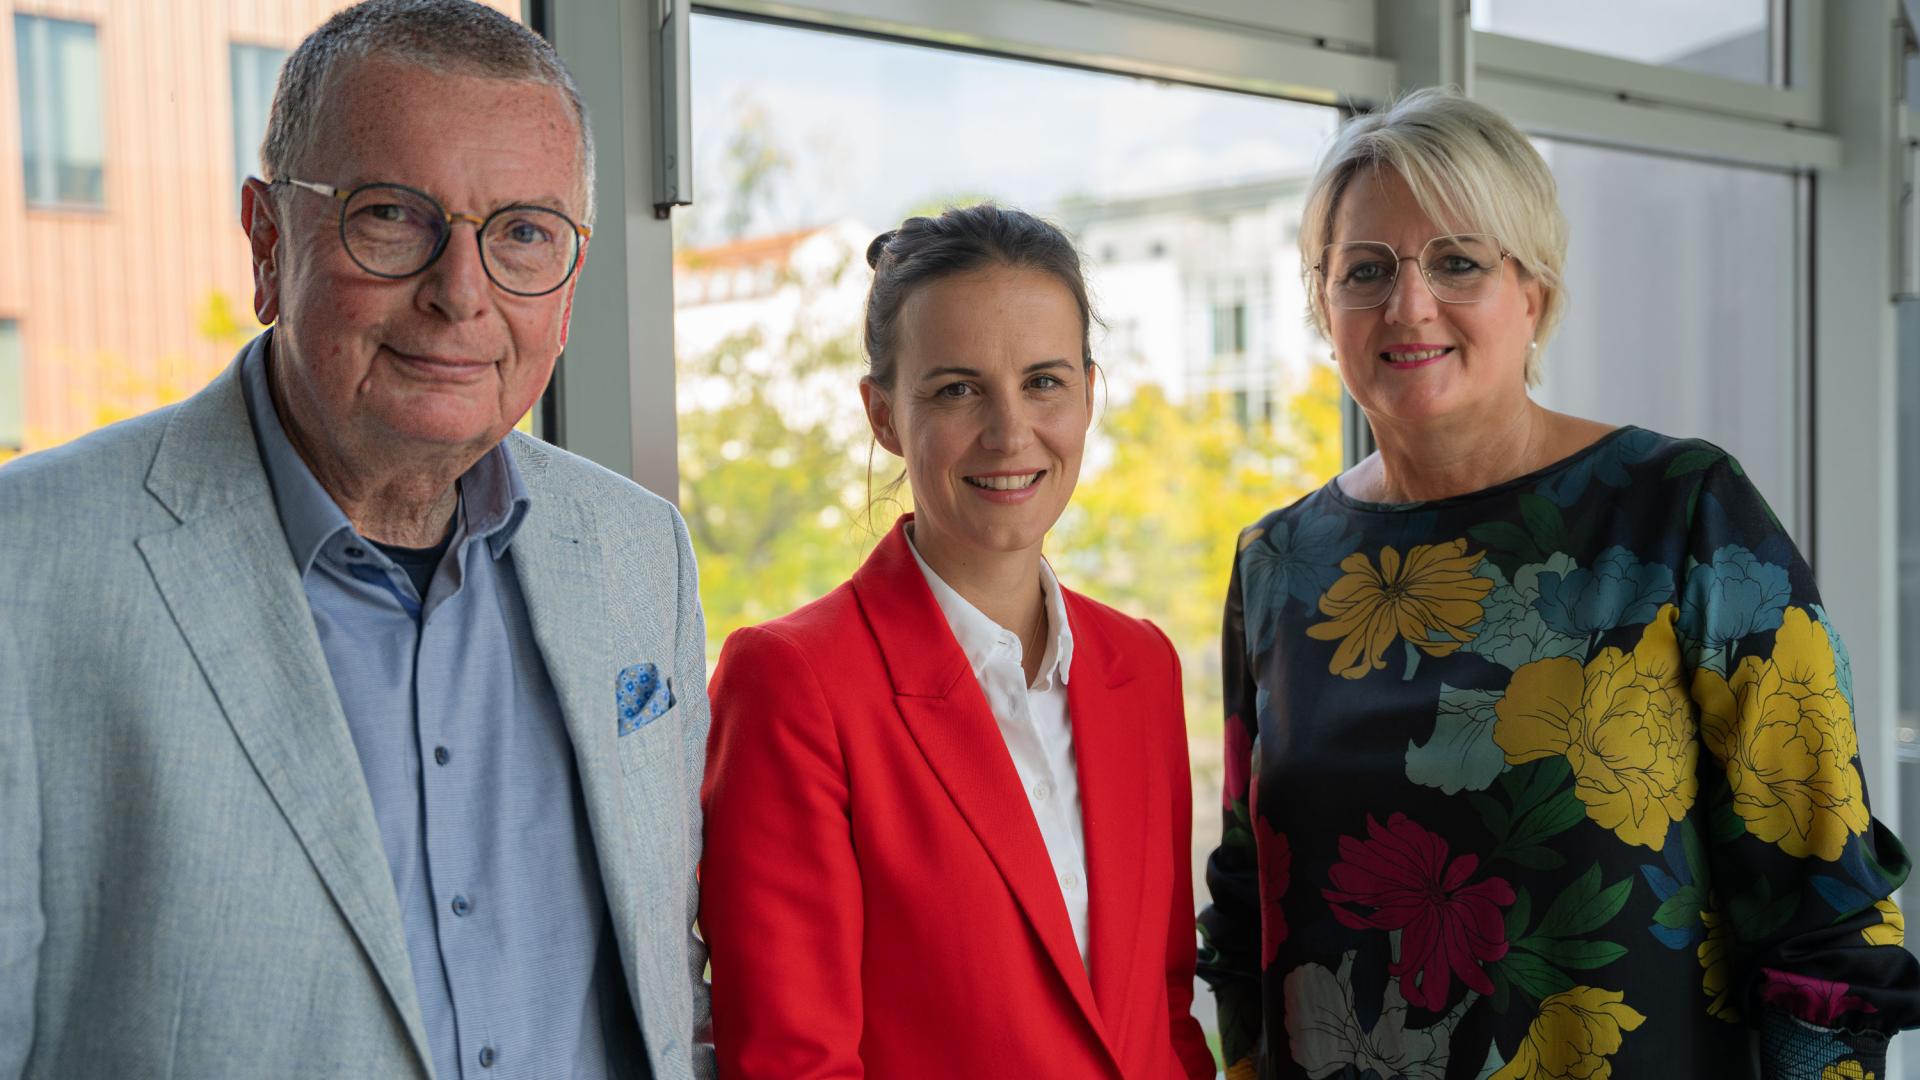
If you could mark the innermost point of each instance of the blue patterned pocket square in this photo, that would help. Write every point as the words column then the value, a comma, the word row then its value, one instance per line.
column 642, row 696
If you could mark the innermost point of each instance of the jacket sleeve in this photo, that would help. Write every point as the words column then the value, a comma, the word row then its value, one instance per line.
column 690, row 673
column 22, row 923
column 1230, row 951
column 1801, row 937
column 1189, row 1041
column 783, row 904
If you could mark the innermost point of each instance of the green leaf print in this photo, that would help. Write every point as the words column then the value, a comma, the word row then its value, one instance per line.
column 1681, row 910
column 1506, row 536
column 1692, row 461
column 1579, row 955
column 1534, row 975
column 1518, row 914
column 1544, row 522
column 1585, row 906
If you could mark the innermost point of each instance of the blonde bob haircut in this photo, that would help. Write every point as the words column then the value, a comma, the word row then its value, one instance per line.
column 1470, row 170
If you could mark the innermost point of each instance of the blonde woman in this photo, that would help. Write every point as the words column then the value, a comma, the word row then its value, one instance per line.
column 1540, row 754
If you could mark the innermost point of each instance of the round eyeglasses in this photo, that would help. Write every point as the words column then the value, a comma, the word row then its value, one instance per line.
column 394, row 231
column 1460, row 269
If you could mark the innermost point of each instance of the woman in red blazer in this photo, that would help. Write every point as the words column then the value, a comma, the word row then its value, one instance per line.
column 947, row 835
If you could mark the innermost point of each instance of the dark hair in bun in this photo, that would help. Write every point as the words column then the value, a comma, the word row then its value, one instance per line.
column 924, row 250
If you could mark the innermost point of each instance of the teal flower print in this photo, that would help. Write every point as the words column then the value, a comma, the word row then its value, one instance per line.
column 1730, row 598
column 1461, row 754
column 1619, row 590
column 1608, row 465
column 1514, row 634
column 1289, row 562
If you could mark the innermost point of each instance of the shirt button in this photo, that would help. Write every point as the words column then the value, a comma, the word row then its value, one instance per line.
column 356, row 552
column 1041, row 791
column 441, row 756
column 486, row 1057
column 461, row 907
column 1070, row 881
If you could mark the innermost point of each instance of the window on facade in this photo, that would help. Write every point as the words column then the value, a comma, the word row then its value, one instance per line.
column 1230, row 329
column 62, row 111
column 254, row 71
column 1684, row 281
column 810, row 143
column 1730, row 38
column 13, row 391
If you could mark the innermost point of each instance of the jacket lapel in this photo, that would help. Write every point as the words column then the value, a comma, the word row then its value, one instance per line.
column 950, row 720
column 557, row 557
column 229, row 580
column 1115, row 793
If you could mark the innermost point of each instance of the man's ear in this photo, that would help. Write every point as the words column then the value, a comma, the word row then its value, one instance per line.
column 880, row 415
column 258, row 220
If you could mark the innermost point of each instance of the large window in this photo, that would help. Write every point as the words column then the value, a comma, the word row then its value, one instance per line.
column 62, row 111
column 255, row 68
column 1184, row 202
column 1729, row 38
column 1684, row 311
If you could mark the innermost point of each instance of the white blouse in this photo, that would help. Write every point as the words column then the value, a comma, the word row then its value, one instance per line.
column 1033, row 720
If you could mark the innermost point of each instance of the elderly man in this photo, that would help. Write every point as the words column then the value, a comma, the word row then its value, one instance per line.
column 342, row 731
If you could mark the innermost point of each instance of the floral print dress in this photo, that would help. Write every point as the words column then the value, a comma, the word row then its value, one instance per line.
column 1557, row 779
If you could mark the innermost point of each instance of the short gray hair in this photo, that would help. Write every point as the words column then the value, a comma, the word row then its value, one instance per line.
column 1469, row 168
column 447, row 37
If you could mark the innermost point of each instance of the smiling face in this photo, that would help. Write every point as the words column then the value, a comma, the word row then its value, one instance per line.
column 1414, row 358
column 989, row 406
column 444, row 362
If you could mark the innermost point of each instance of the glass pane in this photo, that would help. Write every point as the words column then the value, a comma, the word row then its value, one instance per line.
column 256, row 69
column 138, row 302
column 1683, row 285
column 1185, row 203
column 1907, row 729
column 1729, row 38
column 63, row 138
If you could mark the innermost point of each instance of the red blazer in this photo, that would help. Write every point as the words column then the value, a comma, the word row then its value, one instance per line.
column 875, row 893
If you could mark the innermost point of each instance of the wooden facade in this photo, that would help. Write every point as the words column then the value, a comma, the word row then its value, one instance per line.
column 129, row 306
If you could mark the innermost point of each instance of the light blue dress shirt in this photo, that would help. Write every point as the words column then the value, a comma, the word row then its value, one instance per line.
column 471, row 770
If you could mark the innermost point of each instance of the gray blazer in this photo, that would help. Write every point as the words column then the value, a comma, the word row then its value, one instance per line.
column 191, row 881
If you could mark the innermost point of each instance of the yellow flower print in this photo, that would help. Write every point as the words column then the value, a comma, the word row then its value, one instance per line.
column 1622, row 721
column 1846, row 1070
column 1431, row 598
column 1892, row 927
column 1716, row 962
column 1784, row 732
column 1573, row 1036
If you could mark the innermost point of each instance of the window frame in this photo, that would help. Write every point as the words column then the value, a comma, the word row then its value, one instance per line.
column 49, row 119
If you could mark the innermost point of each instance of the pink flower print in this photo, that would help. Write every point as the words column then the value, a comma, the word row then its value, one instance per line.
column 1817, row 1001
column 1447, row 927
column 1276, row 874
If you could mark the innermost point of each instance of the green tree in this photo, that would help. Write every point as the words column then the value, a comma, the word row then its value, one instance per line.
column 1153, row 532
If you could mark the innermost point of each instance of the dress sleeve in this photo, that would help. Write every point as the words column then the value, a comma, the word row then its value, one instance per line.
column 1230, row 950
column 782, row 906
column 1803, row 941
column 1189, row 1042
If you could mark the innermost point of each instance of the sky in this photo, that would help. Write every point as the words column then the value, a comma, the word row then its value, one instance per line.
column 874, row 129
